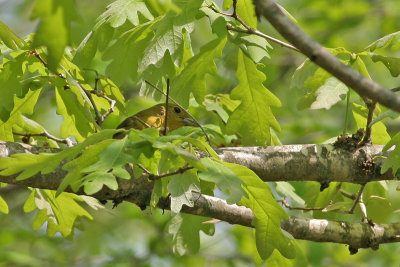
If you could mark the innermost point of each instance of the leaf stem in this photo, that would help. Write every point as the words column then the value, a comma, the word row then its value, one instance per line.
column 46, row 134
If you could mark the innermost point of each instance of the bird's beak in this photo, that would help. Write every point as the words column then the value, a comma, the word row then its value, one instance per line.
column 189, row 122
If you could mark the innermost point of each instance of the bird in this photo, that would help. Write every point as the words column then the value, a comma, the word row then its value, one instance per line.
column 155, row 117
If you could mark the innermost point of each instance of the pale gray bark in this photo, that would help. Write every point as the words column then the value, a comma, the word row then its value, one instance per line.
column 283, row 163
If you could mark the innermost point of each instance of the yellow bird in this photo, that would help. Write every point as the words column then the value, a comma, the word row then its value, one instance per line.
column 155, row 117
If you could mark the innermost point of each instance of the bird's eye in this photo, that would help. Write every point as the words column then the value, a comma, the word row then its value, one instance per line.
column 177, row 110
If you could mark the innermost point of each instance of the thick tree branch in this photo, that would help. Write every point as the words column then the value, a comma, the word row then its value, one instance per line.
column 318, row 54
column 138, row 191
column 321, row 163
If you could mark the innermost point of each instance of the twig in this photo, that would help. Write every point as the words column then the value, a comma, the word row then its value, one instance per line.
column 347, row 194
column 249, row 30
column 166, row 109
column 109, row 110
column 96, row 110
column 284, row 202
column 46, row 134
column 99, row 118
column 338, row 187
column 371, row 108
column 179, row 105
column 351, row 211
column 157, row 177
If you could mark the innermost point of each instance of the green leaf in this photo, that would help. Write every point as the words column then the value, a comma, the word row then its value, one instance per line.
column 285, row 189
column 226, row 180
column 218, row 21
column 254, row 46
column 268, row 214
column 169, row 36
column 98, row 39
column 253, row 117
column 329, row 94
column 3, row 206
column 60, row 212
column 10, row 71
column 94, row 182
column 384, row 41
column 246, row 11
column 121, row 10
column 192, row 78
column 391, row 63
column 21, row 106
column 387, row 114
column 113, row 156
column 29, row 164
column 186, row 155
column 393, row 160
column 181, row 187
column 76, row 167
column 305, row 70
column 379, row 131
column 11, row 40
column 78, row 120
column 54, row 27
column 126, row 53
column 185, row 230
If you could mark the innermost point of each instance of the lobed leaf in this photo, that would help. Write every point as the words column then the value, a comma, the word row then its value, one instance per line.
column 192, row 78
column 181, row 187
column 60, row 212
column 225, row 179
column 121, row 10
column 267, row 212
column 185, row 230
column 253, row 117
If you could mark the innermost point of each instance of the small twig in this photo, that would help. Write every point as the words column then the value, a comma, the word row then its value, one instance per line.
column 356, row 201
column 284, row 202
column 396, row 89
column 363, row 208
column 96, row 110
column 338, row 187
column 99, row 118
column 248, row 29
column 371, row 108
column 179, row 105
column 142, row 121
column 347, row 194
column 166, row 109
column 46, row 134
column 157, row 177
column 109, row 110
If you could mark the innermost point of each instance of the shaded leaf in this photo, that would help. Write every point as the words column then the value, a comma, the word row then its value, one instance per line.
column 329, row 94
column 181, row 187
column 226, row 180
column 192, row 78
column 185, row 230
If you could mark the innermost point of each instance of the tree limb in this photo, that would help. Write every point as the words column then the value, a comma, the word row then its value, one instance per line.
column 319, row 55
column 138, row 191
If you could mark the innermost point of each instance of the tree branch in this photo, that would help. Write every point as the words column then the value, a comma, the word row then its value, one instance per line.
column 319, row 55
column 321, row 163
column 138, row 191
